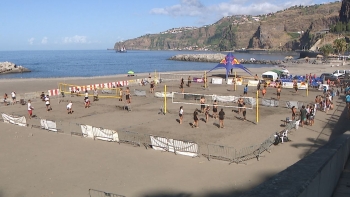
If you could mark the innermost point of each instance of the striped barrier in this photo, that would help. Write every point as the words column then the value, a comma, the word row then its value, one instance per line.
column 53, row 92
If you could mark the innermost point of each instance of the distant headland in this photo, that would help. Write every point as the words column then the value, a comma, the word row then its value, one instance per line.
column 9, row 67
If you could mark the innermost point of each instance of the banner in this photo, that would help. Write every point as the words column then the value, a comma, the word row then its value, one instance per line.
column 302, row 86
column 224, row 99
column 105, row 134
column 287, row 85
column 161, row 94
column 87, row 132
column 20, row 121
column 216, row 80
column 48, row 125
column 253, row 83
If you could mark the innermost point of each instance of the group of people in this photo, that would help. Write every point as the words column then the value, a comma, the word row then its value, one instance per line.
column 13, row 96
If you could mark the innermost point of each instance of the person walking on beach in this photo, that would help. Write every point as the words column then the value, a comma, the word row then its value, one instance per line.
column 215, row 109
column 202, row 102
column 121, row 94
column 240, row 104
column 245, row 90
column 69, row 107
column 195, row 119
column 279, row 92
column 221, row 118
column 207, row 110
column 263, row 92
column 13, row 95
column 189, row 81
column 95, row 95
column 30, row 109
column 87, row 103
column 47, row 103
column 182, row 85
column 127, row 95
column 258, row 87
column 181, row 114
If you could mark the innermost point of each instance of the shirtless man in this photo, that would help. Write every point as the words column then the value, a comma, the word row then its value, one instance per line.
column 279, row 92
column 127, row 95
column 202, row 101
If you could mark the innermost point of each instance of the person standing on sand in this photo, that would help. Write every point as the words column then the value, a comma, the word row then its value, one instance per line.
column 279, row 92
column 5, row 97
column 295, row 86
column 202, row 102
column 30, row 109
column 244, row 112
column 293, row 113
column 303, row 113
column 181, row 114
column 182, row 85
column 215, row 109
column 189, row 81
column 151, row 90
column 69, row 107
column 221, row 118
column 195, row 119
column 264, row 92
column 120, row 94
column 86, row 95
column 47, row 103
column 13, row 95
column 245, row 90
column 127, row 95
column 207, row 110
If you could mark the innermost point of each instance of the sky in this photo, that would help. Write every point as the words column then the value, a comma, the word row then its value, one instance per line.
column 95, row 25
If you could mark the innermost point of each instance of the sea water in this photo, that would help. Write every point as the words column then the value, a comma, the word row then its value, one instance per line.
column 90, row 63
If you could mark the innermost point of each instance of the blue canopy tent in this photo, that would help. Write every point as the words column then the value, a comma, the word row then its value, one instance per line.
column 229, row 63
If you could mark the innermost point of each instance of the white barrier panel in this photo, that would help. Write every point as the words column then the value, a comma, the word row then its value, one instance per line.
column 20, row 121
column 287, row 85
column 87, row 132
column 48, row 125
column 161, row 94
column 270, row 102
column 302, row 86
column 252, row 83
column 160, row 143
column 105, row 134
column 216, row 80
column 321, row 87
column 186, row 148
column 224, row 99
column 290, row 104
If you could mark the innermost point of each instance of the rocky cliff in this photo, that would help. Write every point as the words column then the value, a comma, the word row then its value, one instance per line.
column 290, row 29
column 344, row 14
column 9, row 67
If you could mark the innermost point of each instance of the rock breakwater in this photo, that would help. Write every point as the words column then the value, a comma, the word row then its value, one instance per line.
column 216, row 58
column 9, row 67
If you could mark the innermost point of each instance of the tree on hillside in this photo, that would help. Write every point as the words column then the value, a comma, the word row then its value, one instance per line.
column 327, row 49
column 340, row 45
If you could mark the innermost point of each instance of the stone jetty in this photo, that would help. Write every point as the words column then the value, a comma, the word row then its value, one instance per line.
column 9, row 67
column 217, row 57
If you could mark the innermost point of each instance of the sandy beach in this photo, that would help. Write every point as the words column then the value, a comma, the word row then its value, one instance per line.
column 35, row 162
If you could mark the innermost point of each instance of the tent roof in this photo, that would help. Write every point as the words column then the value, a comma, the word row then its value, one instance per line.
column 279, row 72
column 269, row 73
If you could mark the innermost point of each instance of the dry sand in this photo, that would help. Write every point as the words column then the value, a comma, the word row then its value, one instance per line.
column 38, row 163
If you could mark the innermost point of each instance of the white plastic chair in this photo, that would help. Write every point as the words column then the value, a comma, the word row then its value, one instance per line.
column 297, row 124
column 284, row 135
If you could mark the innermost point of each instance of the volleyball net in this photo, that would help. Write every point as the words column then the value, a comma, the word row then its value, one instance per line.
column 102, row 90
column 178, row 76
column 222, row 101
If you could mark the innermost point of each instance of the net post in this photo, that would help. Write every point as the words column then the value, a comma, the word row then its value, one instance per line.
column 257, row 106
column 205, row 79
column 235, row 80
column 164, row 99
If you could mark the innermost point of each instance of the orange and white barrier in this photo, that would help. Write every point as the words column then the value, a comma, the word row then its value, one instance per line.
column 53, row 92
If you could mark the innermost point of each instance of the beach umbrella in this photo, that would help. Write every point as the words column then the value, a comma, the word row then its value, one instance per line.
column 131, row 72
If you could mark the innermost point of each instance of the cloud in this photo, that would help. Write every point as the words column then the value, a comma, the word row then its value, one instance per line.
column 31, row 41
column 44, row 40
column 185, row 8
column 75, row 39
column 195, row 8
